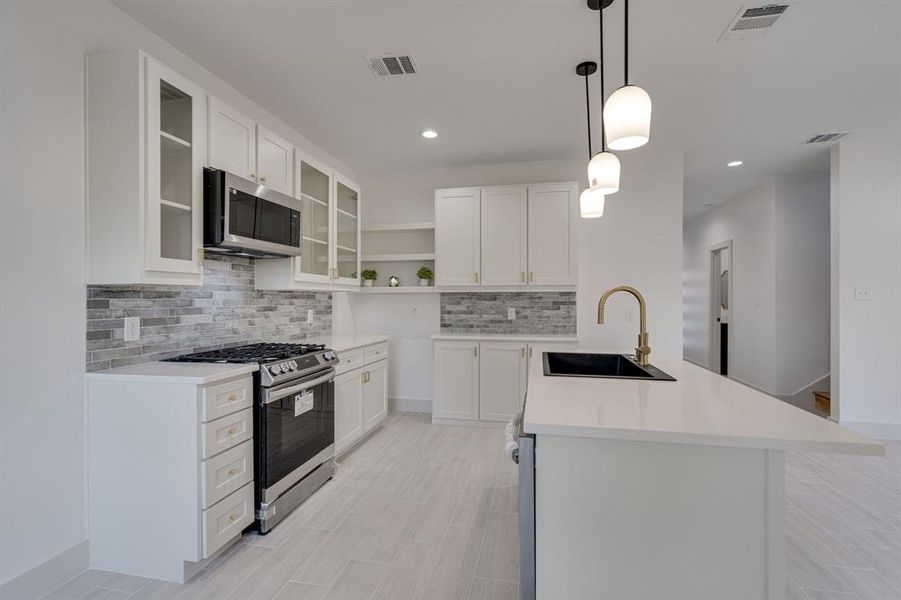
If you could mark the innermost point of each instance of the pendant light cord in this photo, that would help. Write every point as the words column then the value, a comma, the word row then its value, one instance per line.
column 601, row 70
column 626, row 44
column 588, row 115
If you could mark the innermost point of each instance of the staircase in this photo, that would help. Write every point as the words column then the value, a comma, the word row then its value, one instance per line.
column 821, row 400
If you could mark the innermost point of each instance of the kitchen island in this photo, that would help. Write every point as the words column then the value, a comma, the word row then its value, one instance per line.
column 664, row 489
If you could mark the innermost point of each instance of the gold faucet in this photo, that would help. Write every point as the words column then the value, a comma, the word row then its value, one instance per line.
column 643, row 351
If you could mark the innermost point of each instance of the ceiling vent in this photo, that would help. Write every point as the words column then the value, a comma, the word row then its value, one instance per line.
column 388, row 65
column 822, row 138
column 753, row 23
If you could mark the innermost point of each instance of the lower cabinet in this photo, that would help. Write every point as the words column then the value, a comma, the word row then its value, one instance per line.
column 361, row 394
column 456, row 380
column 502, row 379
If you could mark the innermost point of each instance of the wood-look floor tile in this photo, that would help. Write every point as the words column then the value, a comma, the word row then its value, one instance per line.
column 74, row 588
column 432, row 521
column 393, row 526
column 825, row 595
column 499, row 555
column 867, row 584
column 491, row 589
column 331, row 557
column 358, row 581
column 475, row 503
column 302, row 591
column 452, row 575
column 408, row 571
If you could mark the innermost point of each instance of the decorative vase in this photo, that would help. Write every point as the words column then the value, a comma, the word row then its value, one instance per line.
column 367, row 282
column 425, row 282
column 393, row 281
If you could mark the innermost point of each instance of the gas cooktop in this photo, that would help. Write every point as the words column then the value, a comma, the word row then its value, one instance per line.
column 251, row 353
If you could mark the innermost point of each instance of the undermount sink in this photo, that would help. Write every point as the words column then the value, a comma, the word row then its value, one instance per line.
column 609, row 366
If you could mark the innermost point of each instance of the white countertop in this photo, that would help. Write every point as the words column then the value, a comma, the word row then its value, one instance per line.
column 502, row 337
column 699, row 408
column 340, row 343
column 173, row 372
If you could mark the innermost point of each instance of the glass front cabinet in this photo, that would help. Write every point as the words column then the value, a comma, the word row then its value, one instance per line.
column 145, row 161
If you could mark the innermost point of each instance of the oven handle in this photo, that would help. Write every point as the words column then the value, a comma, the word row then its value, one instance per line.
column 270, row 397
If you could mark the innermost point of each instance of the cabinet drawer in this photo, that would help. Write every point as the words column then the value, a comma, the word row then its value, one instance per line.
column 226, row 472
column 226, row 432
column 225, row 398
column 227, row 519
column 349, row 360
column 374, row 353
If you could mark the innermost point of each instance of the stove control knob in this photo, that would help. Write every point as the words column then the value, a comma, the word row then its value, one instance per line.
column 286, row 367
column 293, row 364
column 275, row 369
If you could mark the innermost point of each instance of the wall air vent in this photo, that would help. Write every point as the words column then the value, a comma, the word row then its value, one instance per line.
column 822, row 138
column 387, row 65
column 752, row 23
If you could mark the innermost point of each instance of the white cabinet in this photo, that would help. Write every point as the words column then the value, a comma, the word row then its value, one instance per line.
column 553, row 210
column 504, row 235
column 507, row 237
column 502, row 380
column 232, row 140
column 375, row 394
column 145, row 149
column 457, row 237
column 348, row 409
column 361, row 393
column 275, row 161
column 456, row 380
column 346, row 232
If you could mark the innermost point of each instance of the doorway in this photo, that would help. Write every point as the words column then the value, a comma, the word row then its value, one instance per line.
column 721, row 276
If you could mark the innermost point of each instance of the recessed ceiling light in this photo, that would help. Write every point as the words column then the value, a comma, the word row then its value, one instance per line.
column 734, row 163
column 430, row 134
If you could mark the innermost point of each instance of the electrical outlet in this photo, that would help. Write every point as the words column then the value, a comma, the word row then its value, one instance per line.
column 310, row 314
column 511, row 314
column 414, row 312
column 630, row 316
column 132, row 328
column 862, row 293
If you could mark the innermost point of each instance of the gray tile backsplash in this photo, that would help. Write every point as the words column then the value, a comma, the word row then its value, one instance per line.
column 225, row 311
column 486, row 312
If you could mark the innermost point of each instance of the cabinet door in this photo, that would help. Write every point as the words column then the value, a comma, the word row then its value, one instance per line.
column 502, row 380
column 275, row 161
column 375, row 394
column 348, row 409
column 552, row 234
column 457, row 252
column 456, row 385
column 173, row 237
column 503, row 235
column 346, row 227
column 313, row 187
column 232, row 140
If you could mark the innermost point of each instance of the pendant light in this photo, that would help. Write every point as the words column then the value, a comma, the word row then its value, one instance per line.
column 591, row 201
column 627, row 113
column 604, row 167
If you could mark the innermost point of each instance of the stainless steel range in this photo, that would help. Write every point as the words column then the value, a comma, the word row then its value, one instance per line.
column 294, row 422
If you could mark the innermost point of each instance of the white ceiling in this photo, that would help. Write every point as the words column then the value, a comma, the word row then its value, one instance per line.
column 497, row 78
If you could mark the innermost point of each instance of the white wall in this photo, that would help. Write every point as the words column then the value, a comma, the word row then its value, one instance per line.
column 866, row 246
column 637, row 242
column 778, row 317
column 42, row 434
column 748, row 222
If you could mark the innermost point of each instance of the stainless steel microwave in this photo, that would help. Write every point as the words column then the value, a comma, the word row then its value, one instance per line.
column 245, row 218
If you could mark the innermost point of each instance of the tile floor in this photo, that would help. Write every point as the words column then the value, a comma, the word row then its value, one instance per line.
column 429, row 512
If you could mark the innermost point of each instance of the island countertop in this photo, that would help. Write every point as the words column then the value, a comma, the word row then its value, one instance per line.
column 700, row 407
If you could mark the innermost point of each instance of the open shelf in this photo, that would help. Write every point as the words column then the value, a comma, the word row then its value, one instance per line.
column 346, row 214
column 398, row 257
column 177, row 205
column 346, row 248
column 389, row 227
column 175, row 139
column 315, row 241
column 312, row 199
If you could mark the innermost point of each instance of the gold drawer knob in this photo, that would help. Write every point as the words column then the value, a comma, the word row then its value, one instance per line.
column 233, row 517
column 232, row 471
column 232, row 431
column 232, row 397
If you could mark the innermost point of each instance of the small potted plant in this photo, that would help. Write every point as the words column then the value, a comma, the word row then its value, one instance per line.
column 369, row 275
column 425, row 276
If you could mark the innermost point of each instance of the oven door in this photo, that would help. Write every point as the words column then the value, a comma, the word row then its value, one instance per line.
column 295, row 432
column 260, row 219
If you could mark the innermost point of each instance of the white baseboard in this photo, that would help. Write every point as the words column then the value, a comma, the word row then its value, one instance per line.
column 880, row 431
column 420, row 405
column 48, row 575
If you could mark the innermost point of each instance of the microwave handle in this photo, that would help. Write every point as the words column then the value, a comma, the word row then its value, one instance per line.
column 270, row 397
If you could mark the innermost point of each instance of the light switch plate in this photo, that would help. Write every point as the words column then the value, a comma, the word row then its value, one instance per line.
column 511, row 314
column 132, row 328
column 310, row 314
column 862, row 293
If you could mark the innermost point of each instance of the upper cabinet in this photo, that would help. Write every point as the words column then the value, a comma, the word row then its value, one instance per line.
column 457, row 239
column 146, row 143
column 275, row 161
column 232, row 140
column 346, row 247
column 507, row 237
column 313, row 187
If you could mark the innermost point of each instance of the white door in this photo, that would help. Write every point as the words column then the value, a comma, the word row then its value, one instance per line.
column 502, row 380
column 456, row 372
column 375, row 394
column 348, row 409
column 175, row 139
column 503, row 235
column 275, row 161
column 232, row 140
column 457, row 251
column 346, row 232
column 553, row 209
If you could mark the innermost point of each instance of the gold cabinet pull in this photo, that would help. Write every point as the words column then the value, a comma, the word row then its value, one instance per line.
column 522, row 276
column 531, row 276
column 523, row 351
column 477, row 277
column 232, row 471
column 232, row 397
column 233, row 517
column 232, row 431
